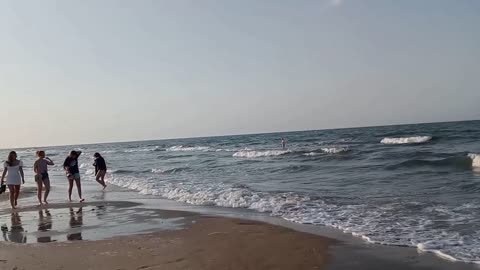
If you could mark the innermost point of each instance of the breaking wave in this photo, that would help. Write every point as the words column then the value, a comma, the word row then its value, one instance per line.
column 456, row 162
column 170, row 170
column 475, row 160
column 181, row 148
column 406, row 140
column 149, row 149
column 257, row 154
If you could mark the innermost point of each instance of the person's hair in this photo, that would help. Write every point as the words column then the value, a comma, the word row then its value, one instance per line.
column 73, row 153
column 12, row 156
column 40, row 152
column 97, row 155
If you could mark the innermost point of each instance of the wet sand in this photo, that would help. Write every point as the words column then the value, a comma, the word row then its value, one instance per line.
column 207, row 243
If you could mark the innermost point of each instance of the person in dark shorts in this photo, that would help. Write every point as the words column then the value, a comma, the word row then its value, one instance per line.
column 73, row 174
column 40, row 167
column 100, row 169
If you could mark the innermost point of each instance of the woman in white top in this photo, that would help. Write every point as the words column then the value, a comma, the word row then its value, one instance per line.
column 13, row 169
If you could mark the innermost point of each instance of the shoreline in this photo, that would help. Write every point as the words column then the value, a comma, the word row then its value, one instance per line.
column 131, row 235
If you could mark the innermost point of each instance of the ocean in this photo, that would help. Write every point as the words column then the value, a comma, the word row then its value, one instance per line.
column 409, row 185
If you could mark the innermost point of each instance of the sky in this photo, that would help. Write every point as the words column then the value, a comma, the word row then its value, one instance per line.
column 74, row 72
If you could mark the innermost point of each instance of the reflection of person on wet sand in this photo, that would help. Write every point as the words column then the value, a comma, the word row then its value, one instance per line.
column 16, row 233
column 76, row 221
column 44, row 225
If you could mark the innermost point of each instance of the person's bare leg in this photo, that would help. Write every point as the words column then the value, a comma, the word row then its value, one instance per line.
column 101, row 178
column 103, row 181
column 98, row 178
column 17, row 193
column 70, row 188
column 47, row 190
column 79, row 189
column 12, row 195
column 39, row 190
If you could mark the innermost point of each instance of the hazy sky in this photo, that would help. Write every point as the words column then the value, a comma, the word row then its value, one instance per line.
column 96, row 71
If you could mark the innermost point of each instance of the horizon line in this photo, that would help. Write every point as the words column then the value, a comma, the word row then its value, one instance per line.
column 244, row 134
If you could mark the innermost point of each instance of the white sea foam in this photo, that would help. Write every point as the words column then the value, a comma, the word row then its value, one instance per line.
column 360, row 220
column 168, row 170
column 148, row 149
column 422, row 247
column 406, row 140
column 475, row 160
column 84, row 165
column 327, row 150
column 257, row 154
column 335, row 150
column 312, row 154
column 181, row 148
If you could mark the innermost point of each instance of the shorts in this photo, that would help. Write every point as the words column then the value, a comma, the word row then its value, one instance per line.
column 43, row 177
column 75, row 176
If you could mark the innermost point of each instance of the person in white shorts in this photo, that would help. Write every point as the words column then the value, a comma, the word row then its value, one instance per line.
column 13, row 170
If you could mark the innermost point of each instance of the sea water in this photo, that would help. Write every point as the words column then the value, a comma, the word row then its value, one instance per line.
column 409, row 185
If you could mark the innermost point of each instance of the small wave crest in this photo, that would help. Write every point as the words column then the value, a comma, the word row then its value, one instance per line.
column 84, row 165
column 335, row 150
column 327, row 150
column 257, row 154
column 475, row 160
column 181, row 148
column 169, row 171
column 149, row 149
column 406, row 140
column 458, row 162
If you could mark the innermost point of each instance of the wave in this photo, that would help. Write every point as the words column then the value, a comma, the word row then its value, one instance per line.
column 85, row 165
column 359, row 220
column 149, row 149
column 257, row 154
column 181, row 148
column 406, row 140
column 123, row 171
column 327, row 150
column 475, row 160
column 335, row 150
column 169, row 171
column 457, row 162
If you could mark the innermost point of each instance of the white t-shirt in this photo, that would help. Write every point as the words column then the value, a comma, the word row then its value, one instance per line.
column 13, row 173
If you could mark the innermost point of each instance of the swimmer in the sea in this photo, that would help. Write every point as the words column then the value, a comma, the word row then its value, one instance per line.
column 284, row 143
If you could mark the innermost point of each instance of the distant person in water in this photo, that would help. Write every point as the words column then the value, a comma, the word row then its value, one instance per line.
column 284, row 143
column 73, row 173
column 13, row 170
column 100, row 169
column 40, row 168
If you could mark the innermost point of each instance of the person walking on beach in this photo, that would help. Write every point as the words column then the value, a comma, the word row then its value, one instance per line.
column 73, row 174
column 100, row 169
column 284, row 143
column 13, row 170
column 40, row 168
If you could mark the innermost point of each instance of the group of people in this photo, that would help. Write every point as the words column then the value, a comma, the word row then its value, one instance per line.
column 15, row 177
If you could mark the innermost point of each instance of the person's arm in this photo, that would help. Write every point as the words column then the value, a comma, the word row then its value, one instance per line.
column 79, row 153
column 35, row 167
column 3, row 174
column 66, row 166
column 49, row 161
column 22, row 175
column 21, row 172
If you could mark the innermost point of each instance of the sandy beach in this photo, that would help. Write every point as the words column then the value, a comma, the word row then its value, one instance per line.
column 207, row 243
